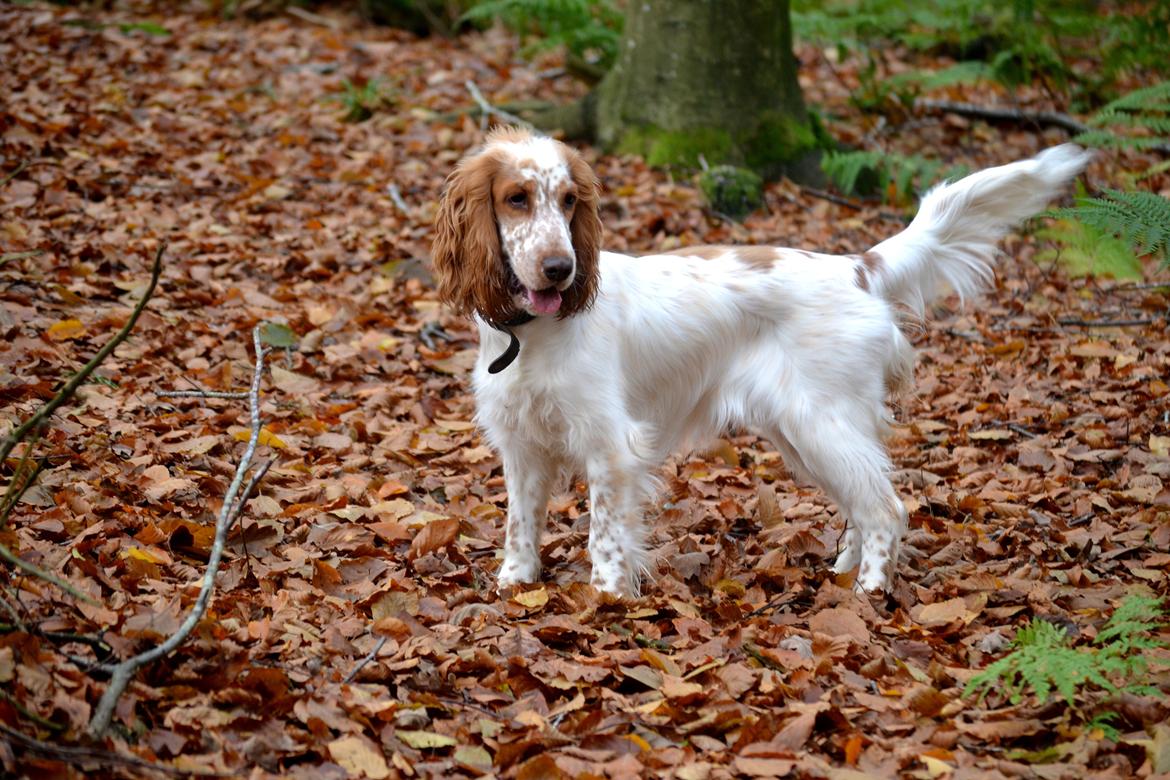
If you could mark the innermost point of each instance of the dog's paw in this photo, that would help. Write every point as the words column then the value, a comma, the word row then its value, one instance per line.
column 517, row 572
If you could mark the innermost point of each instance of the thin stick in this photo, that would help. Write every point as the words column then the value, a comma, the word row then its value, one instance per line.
column 75, row 754
column 311, row 17
column 362, row 663
column 1002, row 114
column 66, row 392
column 40, row 573
column 19, row 169
column 122, row 673
column 396, row 197
column 488, row 109
column 231, row 395
column 1108, row 323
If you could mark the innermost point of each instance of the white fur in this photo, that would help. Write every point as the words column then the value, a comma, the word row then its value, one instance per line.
column 677, row 349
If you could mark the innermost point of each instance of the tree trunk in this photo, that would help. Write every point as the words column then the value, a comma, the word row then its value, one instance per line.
column 714, row 79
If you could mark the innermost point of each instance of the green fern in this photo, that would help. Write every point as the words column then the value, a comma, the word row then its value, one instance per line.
column 1139, row 219
column 896, row 177
column 1136, row 120
column 583, row 27
column 1044, row 659
column 1084, row 250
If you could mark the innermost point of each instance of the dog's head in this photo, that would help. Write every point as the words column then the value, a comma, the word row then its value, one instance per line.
column 518, row 230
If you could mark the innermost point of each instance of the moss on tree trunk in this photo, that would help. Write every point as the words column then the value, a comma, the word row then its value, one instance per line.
column 707, row 78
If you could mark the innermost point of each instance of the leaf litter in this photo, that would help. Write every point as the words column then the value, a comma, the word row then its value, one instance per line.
column 1033, row 456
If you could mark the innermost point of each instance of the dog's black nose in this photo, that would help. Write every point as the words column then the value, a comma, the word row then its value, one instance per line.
column 556, row 269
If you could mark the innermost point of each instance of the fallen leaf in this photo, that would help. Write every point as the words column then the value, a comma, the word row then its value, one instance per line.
column 359, row 756
column 65, row 330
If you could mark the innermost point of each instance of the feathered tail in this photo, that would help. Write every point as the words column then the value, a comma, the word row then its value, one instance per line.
column 951, row 242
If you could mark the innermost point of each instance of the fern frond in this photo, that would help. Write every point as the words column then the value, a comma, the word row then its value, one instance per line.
column 1141, row 219
column 897, row 177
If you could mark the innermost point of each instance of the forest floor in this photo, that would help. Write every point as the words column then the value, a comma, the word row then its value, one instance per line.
column 1032, row 452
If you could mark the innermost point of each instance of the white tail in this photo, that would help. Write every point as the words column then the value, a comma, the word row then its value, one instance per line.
column 952, row 241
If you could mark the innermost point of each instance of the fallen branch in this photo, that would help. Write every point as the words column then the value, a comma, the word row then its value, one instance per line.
column 77, row 754
column 20, row 481
column 233, row 505
column 489, row 110
column 852, row 204
column 232, row 395
column 66, row 392
column 362, row 663
column 1109, row 323
column 312, row 18
column 1003, row 114
column 396, row 197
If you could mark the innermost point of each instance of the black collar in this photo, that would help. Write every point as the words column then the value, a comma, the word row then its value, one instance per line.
column 510, row 354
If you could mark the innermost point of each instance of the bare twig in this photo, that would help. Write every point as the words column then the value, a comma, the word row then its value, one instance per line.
column 19, row 169
column 77, row 754
column 370, row 656
column 122, row 673
column 311, row 18
column 1108, row 323
column 41, row 415
column 66, row 392
column 396, row 197
column 232, row 395
column 22, row 477
column 962, row 334
column 852, row 204
column 1003, row 114
column 41, row 574
column 489, row 110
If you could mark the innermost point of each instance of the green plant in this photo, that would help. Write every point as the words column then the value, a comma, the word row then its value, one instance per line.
column 1139, row 219
column 1145, row 112
column 897, row 178
column 1044, row 658
column 1018, row 41
column 361, row 102
column 588, row 29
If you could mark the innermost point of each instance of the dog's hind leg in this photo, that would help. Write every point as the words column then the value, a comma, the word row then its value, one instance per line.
column 851, row 465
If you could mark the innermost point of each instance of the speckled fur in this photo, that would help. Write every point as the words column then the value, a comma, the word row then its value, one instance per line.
column 677, row 348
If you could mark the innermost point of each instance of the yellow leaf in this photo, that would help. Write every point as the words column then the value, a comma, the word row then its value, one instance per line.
column 424, row 739
column 456, row 426
column 267, row 437
column 1160, row 445
column 142, row 554
column 473, row 756
column 936, row 767
column 642, row 744
column 359, row 756
column 533, row 599
column 66, row 329
column 993, row 434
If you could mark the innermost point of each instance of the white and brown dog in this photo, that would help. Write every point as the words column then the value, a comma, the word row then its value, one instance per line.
column 602, row 364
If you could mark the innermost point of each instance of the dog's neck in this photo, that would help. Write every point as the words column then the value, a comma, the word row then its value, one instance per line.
column 509, row 355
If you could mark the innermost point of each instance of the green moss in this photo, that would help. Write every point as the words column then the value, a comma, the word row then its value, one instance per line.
column 777, row 140
column 733, row 191
column 774, row 142
column 681, row 148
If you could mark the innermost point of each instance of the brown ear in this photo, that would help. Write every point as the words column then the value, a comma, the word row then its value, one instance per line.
column 586, row 231
column 466, row 247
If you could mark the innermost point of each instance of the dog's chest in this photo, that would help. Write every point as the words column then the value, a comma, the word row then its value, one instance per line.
column 550, row 414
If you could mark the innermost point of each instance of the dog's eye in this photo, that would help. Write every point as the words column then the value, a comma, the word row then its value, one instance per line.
column 518, row 200
column 570, row 200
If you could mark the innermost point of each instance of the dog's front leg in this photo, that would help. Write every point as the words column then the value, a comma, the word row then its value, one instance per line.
column 617, row 536
column 528, row 475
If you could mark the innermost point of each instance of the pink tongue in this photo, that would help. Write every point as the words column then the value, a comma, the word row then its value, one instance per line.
column 545, row 301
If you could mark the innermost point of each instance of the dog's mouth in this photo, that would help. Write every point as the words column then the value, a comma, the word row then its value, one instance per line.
column 546, row 301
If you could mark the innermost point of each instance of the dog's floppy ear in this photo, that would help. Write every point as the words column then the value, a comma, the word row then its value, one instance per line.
column 586, row 232
column 469, row 271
